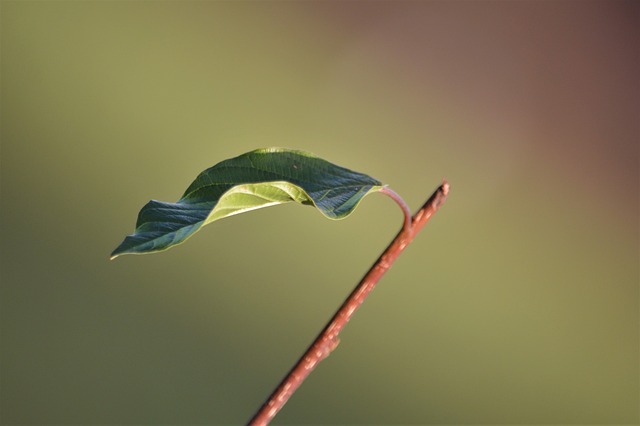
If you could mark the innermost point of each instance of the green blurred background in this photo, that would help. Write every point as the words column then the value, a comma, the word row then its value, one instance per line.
column 518, row 303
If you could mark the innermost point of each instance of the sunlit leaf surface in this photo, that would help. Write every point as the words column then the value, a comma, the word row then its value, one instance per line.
column 261, row 178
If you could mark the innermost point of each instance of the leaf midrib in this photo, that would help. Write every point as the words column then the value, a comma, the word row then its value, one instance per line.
column 282, row 176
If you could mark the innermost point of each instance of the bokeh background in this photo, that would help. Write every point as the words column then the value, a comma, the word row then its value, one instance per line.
column 518, row 303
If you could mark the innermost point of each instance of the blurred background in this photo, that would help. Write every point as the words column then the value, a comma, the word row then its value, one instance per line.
column 518, row 303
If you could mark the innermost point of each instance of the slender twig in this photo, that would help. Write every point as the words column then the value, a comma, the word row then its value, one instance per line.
column 328, row 340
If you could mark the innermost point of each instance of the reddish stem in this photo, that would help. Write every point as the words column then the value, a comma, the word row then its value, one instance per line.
column 398, row 199
column 328, row 340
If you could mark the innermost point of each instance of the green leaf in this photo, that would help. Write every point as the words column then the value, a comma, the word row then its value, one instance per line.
column 257, row 179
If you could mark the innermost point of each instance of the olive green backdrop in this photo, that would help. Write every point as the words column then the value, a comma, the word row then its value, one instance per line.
column 518, row 303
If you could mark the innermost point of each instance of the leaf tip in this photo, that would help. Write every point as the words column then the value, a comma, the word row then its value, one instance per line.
column 117, row 252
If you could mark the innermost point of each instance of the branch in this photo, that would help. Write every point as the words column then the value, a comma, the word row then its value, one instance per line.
column 328, row 340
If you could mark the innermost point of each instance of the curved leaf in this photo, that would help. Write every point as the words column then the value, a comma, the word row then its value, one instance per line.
column 257, row 179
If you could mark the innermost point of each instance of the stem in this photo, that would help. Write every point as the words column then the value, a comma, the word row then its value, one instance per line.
column 328, row 340
column 398, row 199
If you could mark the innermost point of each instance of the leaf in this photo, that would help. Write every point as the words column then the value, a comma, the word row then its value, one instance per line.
column 254, row 180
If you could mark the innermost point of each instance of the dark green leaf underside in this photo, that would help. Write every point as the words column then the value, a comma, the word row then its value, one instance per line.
column 257, row 179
